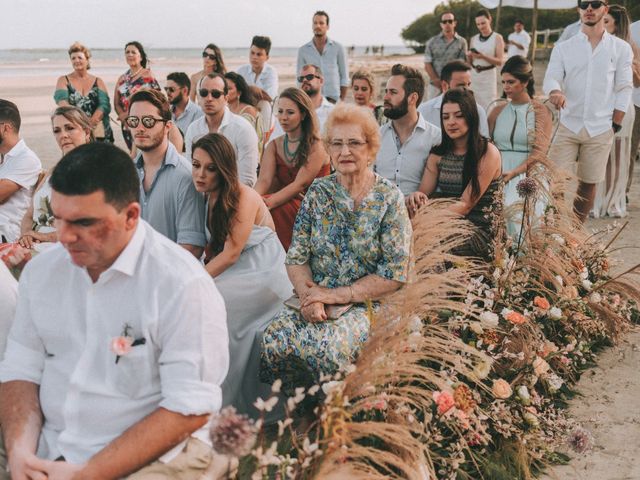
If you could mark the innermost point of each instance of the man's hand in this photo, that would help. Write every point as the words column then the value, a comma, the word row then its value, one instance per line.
column 20, row 464
column 557, row 99
column 56, row 470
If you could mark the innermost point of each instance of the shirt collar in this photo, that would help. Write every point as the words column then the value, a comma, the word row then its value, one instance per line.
column 17, row 149
column 170, row 157
column 326, row 103
column 128, row 258
column 226, row 118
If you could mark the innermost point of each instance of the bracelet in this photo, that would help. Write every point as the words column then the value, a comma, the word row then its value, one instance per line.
column 616, row 127
column 351, row 294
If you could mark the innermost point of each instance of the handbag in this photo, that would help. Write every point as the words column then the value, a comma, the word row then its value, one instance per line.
column 333, row 311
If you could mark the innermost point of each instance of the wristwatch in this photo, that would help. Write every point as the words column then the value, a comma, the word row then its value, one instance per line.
column 616, row 127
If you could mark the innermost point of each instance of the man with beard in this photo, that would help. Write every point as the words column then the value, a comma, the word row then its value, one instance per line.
column 169, row 200
column 589, row 77
column 19, row 170
column 328, row 55
column 408, row 138
column 183, row 110
column 212, row 97
column 311, row 81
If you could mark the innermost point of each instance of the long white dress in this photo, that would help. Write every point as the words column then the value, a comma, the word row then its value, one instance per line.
column 253, row 289
column 484, row 84
column 610, row 199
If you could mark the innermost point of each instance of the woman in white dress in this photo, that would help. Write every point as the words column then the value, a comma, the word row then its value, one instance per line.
column 610, row 197
column 246, row 259
column 485, row 55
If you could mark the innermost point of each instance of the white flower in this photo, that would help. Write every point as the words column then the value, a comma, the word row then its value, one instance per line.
column 555, row 382
column 415, row 324
column 555, row 313
column 595, row 297
column 482, row 370
column 476, row 328
column 523, row 394
column 587, row 284
column 283, row 424
column 275, row 388
column 330, row 387
column 531, row 419
column 489, row 319
column 584, row 273
column 313, row 390
column 266, row 406
column 560, row 280
column 558, row 238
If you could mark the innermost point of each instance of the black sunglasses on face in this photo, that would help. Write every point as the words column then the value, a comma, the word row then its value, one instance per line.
column 209, row 55
column 595, row 4
column 148, row 121
column 170, row 89
column 204, row 93
column 308, row 77
column 447, row 21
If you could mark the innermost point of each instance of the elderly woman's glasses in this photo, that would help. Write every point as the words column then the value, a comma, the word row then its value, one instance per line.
column 147, row 121
column 351, row 145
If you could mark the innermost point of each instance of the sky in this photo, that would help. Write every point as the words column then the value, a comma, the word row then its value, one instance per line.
column 193, row 23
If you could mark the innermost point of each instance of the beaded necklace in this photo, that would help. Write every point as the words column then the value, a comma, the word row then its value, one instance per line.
column 290, row 156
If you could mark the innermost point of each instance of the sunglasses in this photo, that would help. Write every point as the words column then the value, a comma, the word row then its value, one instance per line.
column 204, row 93
column 147, row 121
column 308, row 77
column 209, row 56
column 170, row 89
column 595, row 4
column 447, row 21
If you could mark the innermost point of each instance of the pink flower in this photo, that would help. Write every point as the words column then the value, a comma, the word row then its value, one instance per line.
column 121, row 345
column 542, row 303
column 501, row 389
column 516, row 318
column 444, row 401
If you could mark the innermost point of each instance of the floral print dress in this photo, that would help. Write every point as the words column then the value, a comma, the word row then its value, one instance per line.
column 341, row 245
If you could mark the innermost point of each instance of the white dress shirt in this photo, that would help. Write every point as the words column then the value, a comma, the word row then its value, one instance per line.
column 524, row 39
column 635, row 36
column 8, row 299
column 430, row 110
column 323, row 112
column 404, row 164
column 21, row 166
column 594, row 81
column 64, row 325
column 242, row 136
column 267, row 79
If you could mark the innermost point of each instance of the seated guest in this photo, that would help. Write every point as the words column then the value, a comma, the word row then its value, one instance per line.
column 351, row 245
column 169, row 200
column 8, row 301
column 242, row 101
column 258, row 72
column 408, row 138
column 71, row 128
column 464, row 166
column 19, row 171
column 212, row 62
column 115, row 358
column 364, row 93
column 212, row 97
column 292, row 161
column 246, row 259
column 183, row 110
column 311, row 81
column 455, row 74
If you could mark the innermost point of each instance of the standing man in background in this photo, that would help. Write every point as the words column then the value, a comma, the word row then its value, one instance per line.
column 518, row 40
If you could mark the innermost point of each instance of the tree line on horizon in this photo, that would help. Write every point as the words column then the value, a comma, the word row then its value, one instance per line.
column 423, row 28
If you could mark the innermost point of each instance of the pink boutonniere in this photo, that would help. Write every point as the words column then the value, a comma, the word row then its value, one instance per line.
column 123, row 344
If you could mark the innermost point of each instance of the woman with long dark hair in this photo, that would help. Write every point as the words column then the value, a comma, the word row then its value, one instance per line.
column 212, row 61
column 246, row 259
column 292, row 161
column 465, row 166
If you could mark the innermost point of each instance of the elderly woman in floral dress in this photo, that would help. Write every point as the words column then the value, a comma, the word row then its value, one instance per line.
column 351, row 245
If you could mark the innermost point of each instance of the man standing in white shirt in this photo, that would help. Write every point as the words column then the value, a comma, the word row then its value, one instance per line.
column 119, row 346
column 455, row 74
column 589, row 77
column 405, row 141
column 258, row 72
column 635, row 136
column 311, row 80
column 19, row 171
column 518, row 40
column 329, row 56
column 212, row 97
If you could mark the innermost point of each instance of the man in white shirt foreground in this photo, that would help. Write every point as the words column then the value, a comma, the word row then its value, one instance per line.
column 311, row 80
column 405, row 141
column 589, row 77
column 19, row 170
column 119, row 345
column 212, row 97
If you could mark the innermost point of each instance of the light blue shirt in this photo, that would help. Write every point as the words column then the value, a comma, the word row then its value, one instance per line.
column 332, row 62
column 172, row 206
column 267, row 79
column 191, row 112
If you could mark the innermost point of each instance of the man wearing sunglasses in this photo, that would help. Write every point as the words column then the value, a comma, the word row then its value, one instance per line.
column 212, row 98
column 589, row 78
column 169, row 200
column 311, row 81
column 183, row 110
column 440, row 50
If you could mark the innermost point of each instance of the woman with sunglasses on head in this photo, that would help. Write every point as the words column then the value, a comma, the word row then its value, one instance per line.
column 610, row 199
column 466, row 167
column 292, row 161
column 212, row 61
column 245, row 257
column 85, row 91
column 136, row 77
column 363, row 86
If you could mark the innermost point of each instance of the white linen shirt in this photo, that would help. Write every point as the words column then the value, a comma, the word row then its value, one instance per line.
column 594, row 81
column 61, row 338
column 242, row 136
column 21, row 166
column 524, row 39
column 267, row 79
column 323, row 112
column 430, row 110
column 635, row 36
column 404, row 166
column 8, row 300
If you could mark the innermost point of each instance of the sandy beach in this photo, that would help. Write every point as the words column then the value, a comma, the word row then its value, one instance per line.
column 609, row 405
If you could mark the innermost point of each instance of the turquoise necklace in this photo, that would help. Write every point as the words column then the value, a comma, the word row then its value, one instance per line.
column 289, row 155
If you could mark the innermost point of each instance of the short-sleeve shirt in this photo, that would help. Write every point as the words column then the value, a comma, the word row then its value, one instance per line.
column 266, row 80
column 21, row 166
column 342, row 244
column 172, row 205
column 524, row 39
column 439, row 52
